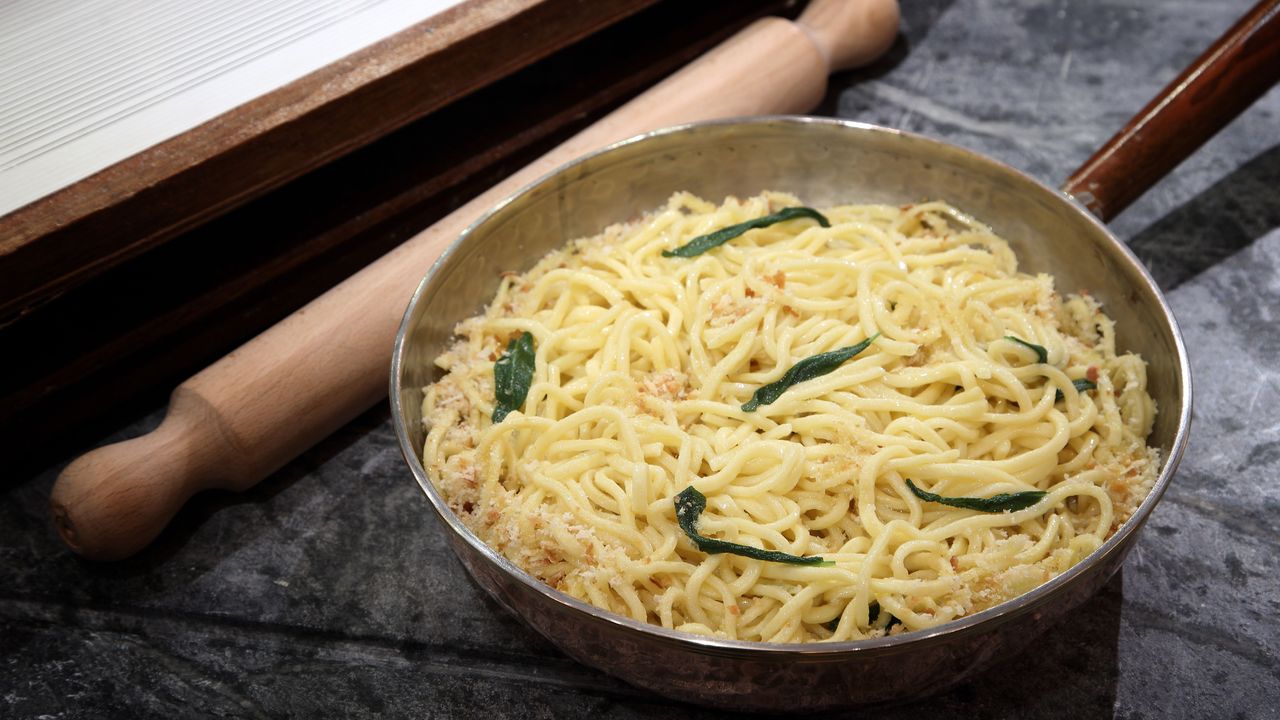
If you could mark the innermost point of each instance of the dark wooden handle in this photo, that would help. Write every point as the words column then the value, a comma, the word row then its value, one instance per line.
column 1241, row 66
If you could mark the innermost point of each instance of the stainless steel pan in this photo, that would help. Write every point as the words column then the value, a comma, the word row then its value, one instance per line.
column 824, row 162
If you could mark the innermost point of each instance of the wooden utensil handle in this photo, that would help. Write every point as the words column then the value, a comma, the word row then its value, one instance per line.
column 1241, row 66
column 246, row 415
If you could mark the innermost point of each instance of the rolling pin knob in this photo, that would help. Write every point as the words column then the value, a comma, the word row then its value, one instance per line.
column 850, row 34
column 113, row 501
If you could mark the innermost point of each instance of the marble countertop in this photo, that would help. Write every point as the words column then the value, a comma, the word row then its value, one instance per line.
column 328, row 590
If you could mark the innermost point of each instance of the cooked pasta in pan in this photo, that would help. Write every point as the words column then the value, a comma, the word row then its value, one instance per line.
column 762, row 421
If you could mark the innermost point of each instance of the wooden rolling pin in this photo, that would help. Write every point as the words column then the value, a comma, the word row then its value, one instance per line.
column 248, row 414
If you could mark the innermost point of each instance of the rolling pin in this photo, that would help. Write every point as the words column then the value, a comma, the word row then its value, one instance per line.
column 248, row 414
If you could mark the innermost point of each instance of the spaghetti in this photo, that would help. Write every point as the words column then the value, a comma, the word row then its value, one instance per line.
column 885, row 476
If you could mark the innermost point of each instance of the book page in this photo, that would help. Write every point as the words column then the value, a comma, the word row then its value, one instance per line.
column 87, row 83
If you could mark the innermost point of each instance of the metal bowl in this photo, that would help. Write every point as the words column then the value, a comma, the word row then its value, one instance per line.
column 824, row 162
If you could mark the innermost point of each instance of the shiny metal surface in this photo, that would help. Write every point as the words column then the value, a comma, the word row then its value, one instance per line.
column 824, row 162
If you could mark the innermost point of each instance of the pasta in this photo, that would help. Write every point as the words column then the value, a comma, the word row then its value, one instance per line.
column 974, row 383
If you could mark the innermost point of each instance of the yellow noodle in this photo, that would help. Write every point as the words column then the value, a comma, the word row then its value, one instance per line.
column 643, row 362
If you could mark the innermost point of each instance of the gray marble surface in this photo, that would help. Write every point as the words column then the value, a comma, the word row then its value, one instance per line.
column 328, row 590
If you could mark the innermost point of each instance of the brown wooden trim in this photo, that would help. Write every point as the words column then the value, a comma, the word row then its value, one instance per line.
column 56, row 242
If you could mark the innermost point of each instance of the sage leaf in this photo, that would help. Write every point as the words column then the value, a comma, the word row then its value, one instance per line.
column 689, row 506
column 512, row 376
column 807, row 369
column 893, row 620
column 1003, row 502
column 873, row 614
column 1082, row 385
column 1042, row 355
column 703, row 243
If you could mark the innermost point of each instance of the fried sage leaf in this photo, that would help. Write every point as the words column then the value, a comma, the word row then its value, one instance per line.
column 689, row 506
column 807, row 369
column 1082, row 385
column 1042, row 355
column 703, row 243
column 873, row 614
column 1004, row 502
column 512, row 376
column 893, row 620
